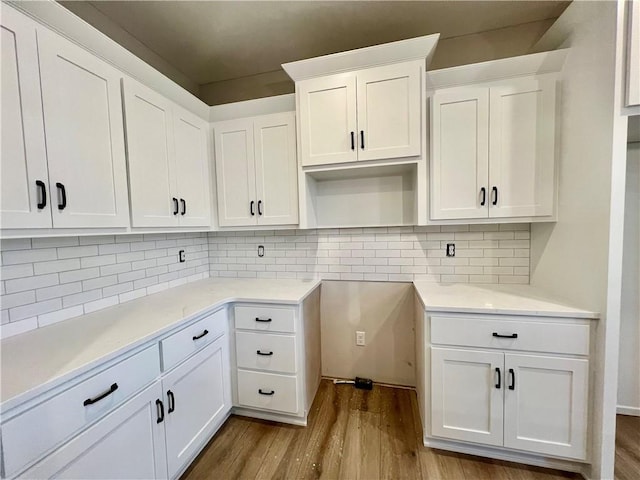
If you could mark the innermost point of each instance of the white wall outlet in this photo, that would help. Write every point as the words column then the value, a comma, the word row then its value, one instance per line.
column 360, row 339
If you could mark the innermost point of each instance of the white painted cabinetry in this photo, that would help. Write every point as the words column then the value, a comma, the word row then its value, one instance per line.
column 256, row 171
column 493, row 150
column 368, row 114
column 168, row 161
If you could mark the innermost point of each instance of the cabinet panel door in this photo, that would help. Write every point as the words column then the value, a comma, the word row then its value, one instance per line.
column 459, row 163
column 84, row 134
column 466, row 403
column 546, row 405
column 192, row 162
column 276, row 169
column 24, row 159
column 235, row 173
column 389, row 111
column 522, row 147
column 128, row 443
column 151, row 152
column 199, row 399
column 327, row 108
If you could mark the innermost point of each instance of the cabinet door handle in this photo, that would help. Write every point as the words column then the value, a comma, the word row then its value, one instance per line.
column 172, row 401
column 353, row 140
column 264, row 354
column 362, row 139
column 483, row 191
column 160, row 411
column 263, row 319
column 43, row 194
column 175, row 206
column 497, row 335
column 499, row 384
column 263, row 392
column 494, row 193
column 63, row 193
column 251, row 208
column 512, row 374
column 259, row 207
column 197, row 337
column 106, row 393
column 184, row 206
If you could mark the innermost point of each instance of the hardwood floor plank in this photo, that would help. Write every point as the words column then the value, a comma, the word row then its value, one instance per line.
column 627, row 448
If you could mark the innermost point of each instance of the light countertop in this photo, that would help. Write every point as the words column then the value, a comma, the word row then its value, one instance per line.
column 499, row 299
column 38, row 360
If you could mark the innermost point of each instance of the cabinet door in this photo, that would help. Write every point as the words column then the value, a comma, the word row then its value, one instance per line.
column 198, row 394
column 327, row 109
column 84, row 134
column 389, row 111
column 546, row 405
column 522, row 148
column 23, row 170
column 150, row 148
column 459, row 163
column 235, row 173
column 192, row 162
column 128, row 443
column 276, row 169
column 466, row 398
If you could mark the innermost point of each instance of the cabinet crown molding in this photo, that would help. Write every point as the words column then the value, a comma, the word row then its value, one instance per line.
column 419, row 48
column 533, row 64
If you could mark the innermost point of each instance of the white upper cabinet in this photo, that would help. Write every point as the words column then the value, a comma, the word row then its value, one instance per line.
column 369, row 114
column 256, row 171
column 84, row 135
column 389, row 108
column 328, row 125
column 168, row 161
column 493, row 150
column 459, row 160
column 24, row 180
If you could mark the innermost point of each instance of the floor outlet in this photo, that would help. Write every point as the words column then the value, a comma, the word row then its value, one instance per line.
column 360, row 339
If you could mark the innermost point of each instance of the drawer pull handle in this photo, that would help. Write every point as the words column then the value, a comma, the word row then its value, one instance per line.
column 91, row 401
column 264, row 354
column 172, row 401
column 160, row 410
column 513, row 379
column 513, row 335
column 197, row 337
column 499, row 384
column 266, row 320
column 268, row 394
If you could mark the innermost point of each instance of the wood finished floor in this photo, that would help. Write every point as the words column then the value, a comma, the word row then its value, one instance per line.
column 355, row 434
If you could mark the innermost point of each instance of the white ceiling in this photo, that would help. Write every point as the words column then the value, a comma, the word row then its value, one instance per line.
column 210, row 41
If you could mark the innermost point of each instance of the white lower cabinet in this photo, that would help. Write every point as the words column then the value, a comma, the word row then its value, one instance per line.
column 128, row 443
column 198, row 398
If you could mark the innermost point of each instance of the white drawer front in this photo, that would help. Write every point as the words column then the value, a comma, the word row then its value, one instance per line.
column 283, row 399
column 263, row 351
column 534, row 336
column 267, row 318
column 29, row 435
column 189, row 340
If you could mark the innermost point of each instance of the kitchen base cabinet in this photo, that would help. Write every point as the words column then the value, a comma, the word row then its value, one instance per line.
column 128, row 443
column 198, row 400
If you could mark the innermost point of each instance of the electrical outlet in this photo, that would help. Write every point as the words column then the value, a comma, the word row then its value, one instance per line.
column 360, row 339
column 451, row 249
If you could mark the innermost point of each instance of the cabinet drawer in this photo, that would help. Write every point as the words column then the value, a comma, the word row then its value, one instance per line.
column 189, row 340
column 263, row 351
column 32, row 433
column 270, row 319
column 279, row 392
column 534, row 336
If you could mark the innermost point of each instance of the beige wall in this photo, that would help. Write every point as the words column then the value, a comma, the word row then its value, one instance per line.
column 478, row 47
column 384, row 311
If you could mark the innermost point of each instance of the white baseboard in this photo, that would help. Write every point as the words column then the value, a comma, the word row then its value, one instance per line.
column 625, row 410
